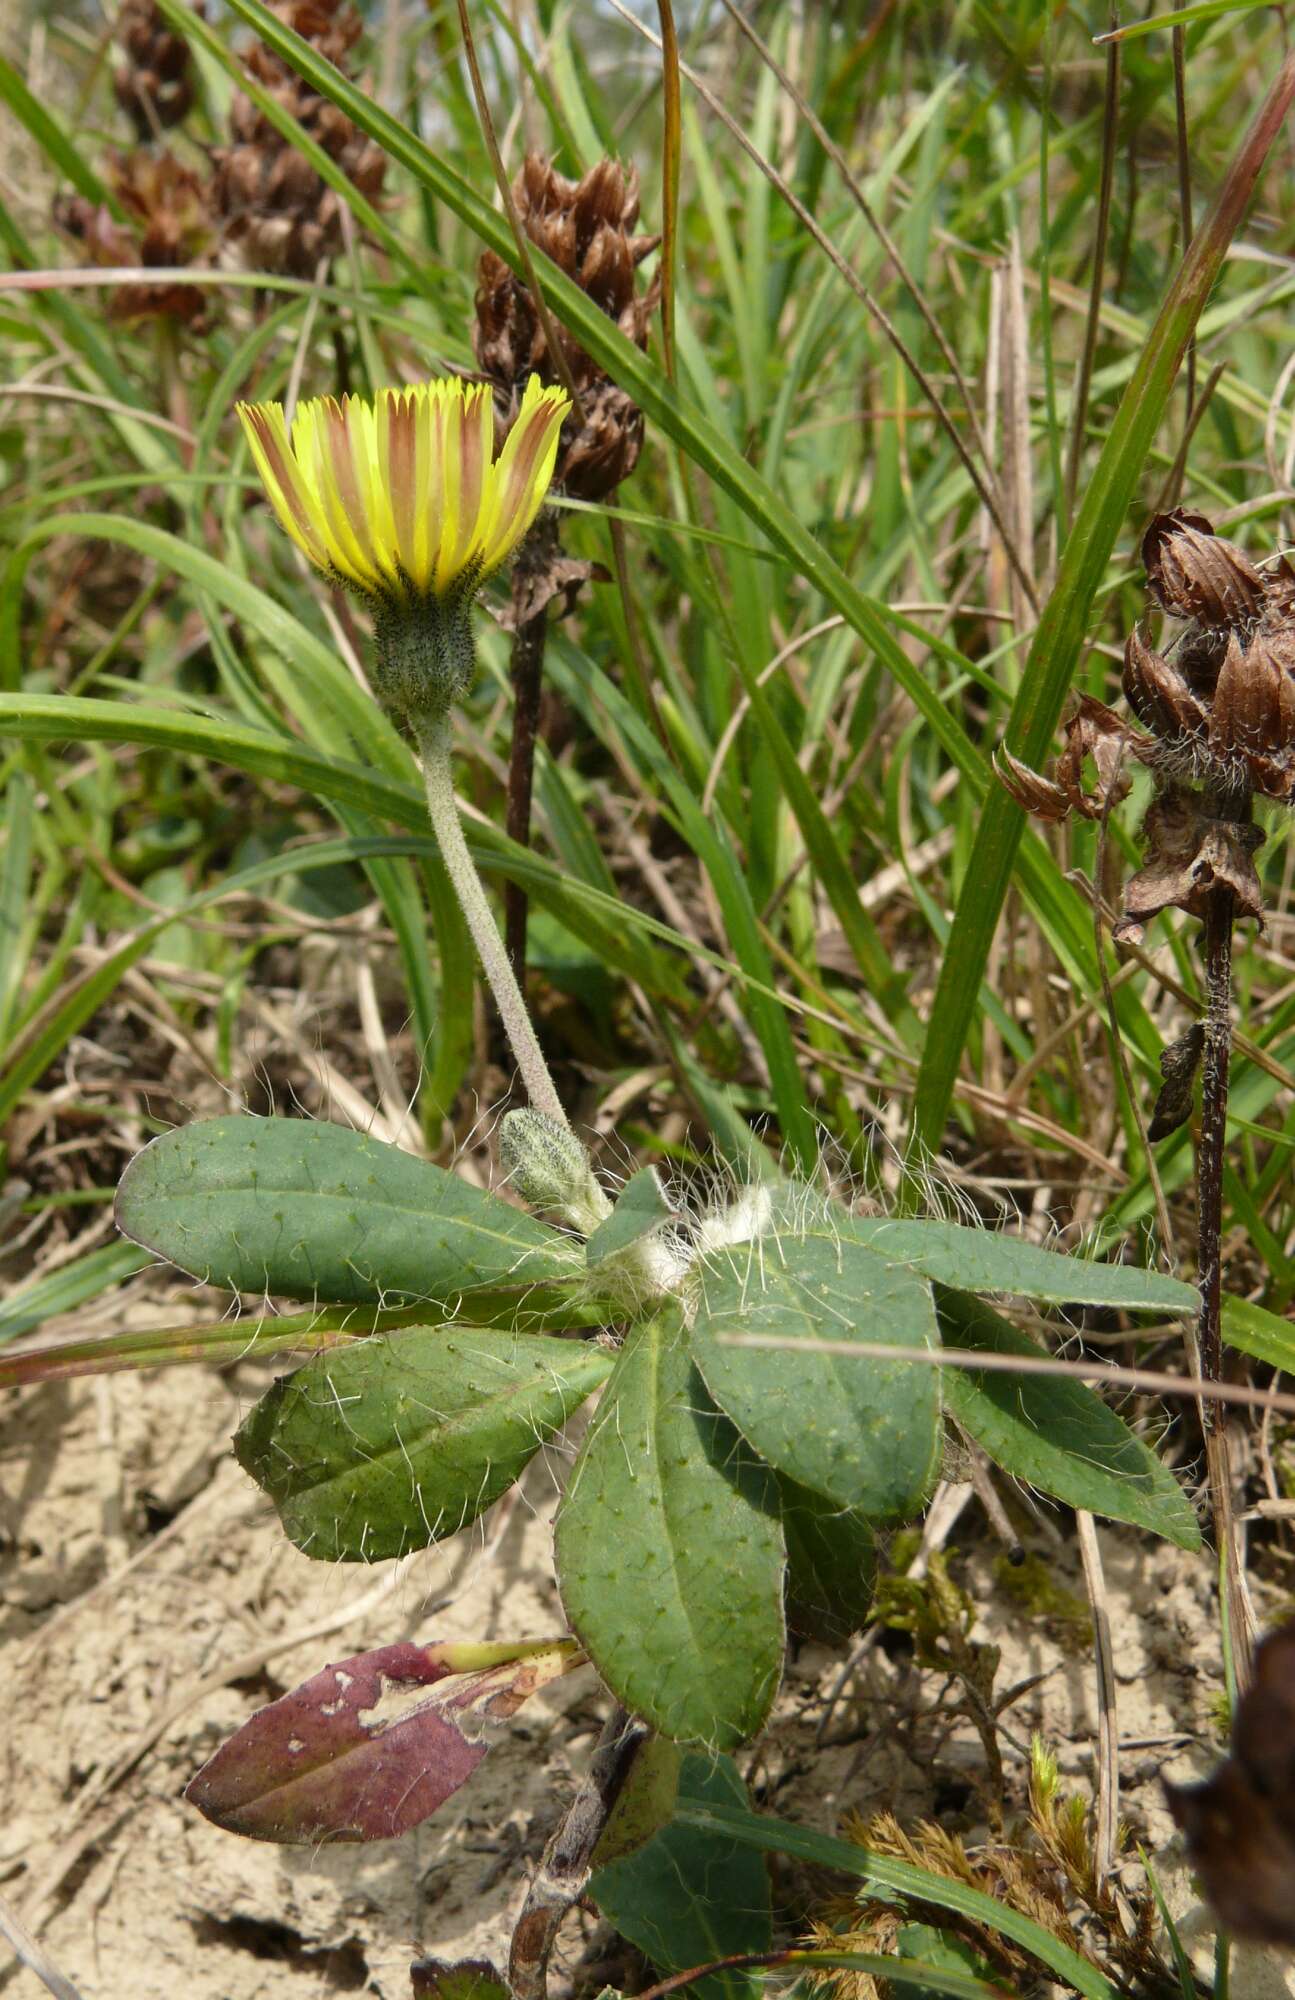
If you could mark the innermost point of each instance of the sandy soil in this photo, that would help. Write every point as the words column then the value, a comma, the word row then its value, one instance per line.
column 148, row 1603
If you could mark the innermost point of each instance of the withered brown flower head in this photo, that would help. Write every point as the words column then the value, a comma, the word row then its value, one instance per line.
column 1218, row 707
column 275, row 207
column 153, row 82
column 169, row 225
column 587, row 228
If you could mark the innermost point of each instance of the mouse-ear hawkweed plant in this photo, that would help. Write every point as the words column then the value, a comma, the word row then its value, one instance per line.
column 768, row 1367
column 403, row 502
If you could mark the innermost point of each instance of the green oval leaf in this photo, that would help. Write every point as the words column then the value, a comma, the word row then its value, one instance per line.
column 831, row 1565
column 863, row 1433
column 395, row 1442
column 669, row 1550
column 985, row 1260
column 318, row 1212
column 688, row 1896
column 1057, row 1434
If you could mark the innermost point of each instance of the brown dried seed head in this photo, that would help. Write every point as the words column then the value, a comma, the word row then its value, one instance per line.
column 605, row 448
column 276, row 208
column 1158, row 693
column 152, row 83
column 1194, row 573
column 585, row 228
column 169, row 224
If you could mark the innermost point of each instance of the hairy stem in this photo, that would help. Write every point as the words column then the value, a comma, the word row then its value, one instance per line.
column 443, row 810
column 564, row 1869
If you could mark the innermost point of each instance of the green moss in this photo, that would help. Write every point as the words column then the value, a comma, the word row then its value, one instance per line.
column 1063, row 1614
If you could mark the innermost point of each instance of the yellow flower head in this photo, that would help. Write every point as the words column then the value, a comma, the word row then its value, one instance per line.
column 403, row 498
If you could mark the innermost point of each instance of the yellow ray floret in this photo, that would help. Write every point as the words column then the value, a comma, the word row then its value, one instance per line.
column 403, row 497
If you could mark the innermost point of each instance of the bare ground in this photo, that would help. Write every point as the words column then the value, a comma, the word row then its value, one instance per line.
column 149, row 1602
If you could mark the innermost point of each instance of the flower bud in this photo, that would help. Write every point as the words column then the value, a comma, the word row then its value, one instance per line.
column 550, row 1169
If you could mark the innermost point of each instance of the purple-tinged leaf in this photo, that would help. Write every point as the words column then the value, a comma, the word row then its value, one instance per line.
column 460, row 1979
column 372, row 1745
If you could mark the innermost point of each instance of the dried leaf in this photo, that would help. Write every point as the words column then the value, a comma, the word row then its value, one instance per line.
column 561, row 576
column 1098, row 732
column 1159, row 693
column 1038, row 795
column 1179, row 1063
column 1189, row 856
column 1194, row 573
column 373, row 1745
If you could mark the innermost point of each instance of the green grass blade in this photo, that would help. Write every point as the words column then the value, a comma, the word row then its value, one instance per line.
column 71, row 1285
column 53, row 141
column 616, row 930
column 636, row 372
column 15, row 883
column 1059, row 639
column 777, row 1836
column 1181, row 17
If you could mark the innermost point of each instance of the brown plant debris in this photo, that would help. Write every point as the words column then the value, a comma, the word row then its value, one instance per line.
column 1096, row 731
column 1240, row 1823
column 275, row 207
column 153, row 81
column 1038, row 795
column 1179, row 1062
column 169, row 226
column 537, row 584
column 1188, row 856
column 1217, row 702
column 587, row 228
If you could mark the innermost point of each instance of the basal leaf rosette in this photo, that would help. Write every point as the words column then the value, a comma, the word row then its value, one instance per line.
column 403, row 501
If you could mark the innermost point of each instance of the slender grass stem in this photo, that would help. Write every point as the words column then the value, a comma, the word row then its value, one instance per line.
column 1092, row 324
column 1184, row 188
column 526, row 670
column 443, row 810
